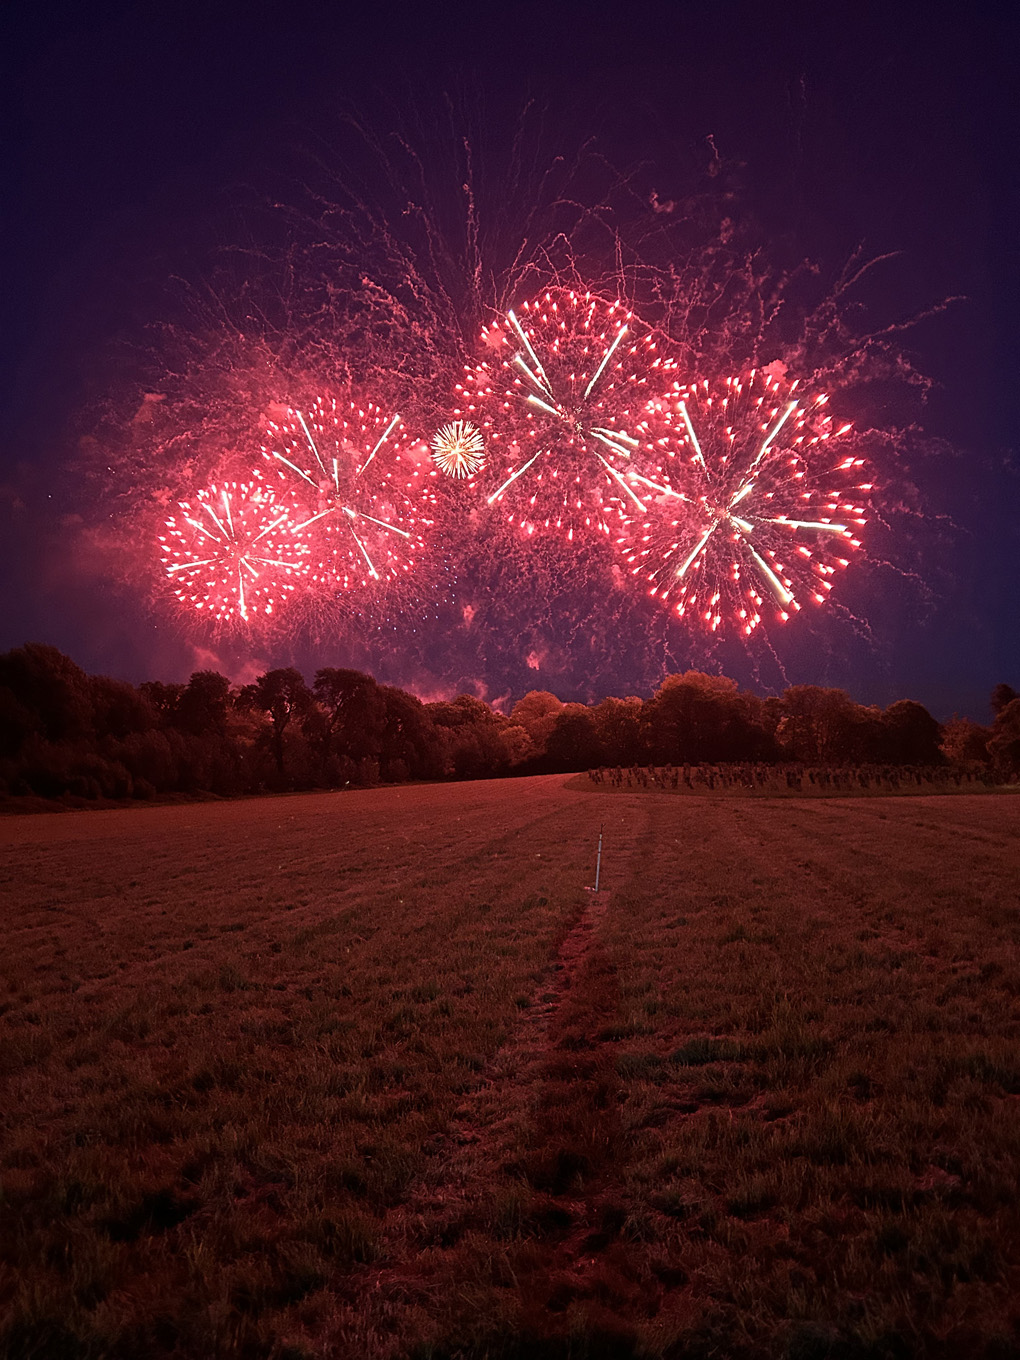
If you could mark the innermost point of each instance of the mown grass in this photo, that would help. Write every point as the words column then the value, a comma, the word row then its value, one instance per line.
column 778, row 1112
column 214, row 1092
column 261, row 1097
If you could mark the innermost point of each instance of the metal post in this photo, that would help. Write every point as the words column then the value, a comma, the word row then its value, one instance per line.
column 598, row 861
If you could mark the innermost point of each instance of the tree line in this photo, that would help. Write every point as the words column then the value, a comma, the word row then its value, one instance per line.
column 73, row 736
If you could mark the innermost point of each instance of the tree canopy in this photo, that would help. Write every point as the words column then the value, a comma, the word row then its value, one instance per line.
column 67, row 734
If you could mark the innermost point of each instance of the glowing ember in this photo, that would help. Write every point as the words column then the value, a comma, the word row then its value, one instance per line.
column 233, row 551
column 458, row 449
column 749, row 503
column 362, row 485
column 562, row 401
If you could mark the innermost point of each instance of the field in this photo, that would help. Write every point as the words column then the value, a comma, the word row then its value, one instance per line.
column 373, row 1075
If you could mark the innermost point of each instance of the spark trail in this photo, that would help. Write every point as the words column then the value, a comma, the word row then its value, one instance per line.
column 563, row 402
column 753, row 507
column 364, row 490
column 234, row 552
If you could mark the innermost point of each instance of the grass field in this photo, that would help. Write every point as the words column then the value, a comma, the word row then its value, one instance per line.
column 371, row 1074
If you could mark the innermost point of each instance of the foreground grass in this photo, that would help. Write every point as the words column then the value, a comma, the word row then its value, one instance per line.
column 273, row 1086
column 229, row 1036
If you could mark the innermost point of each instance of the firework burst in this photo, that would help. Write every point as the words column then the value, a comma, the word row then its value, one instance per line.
column 363, row 489
column 755, row 505
column 459, row 449
column 562, row 401
column 233, row 551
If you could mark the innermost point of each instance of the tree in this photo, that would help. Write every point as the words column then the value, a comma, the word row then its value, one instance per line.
column 693, row 718
column 283, row 694
column 163, row 699
column 203, row 705
column 408, row 737
column 965, row 743
column 479, row 742
column 825, row 727
column 118, row 708
column 464, row 711
column 16, row 723
column 1004, row 743
column 355, row 712
column 51, row 688
column 517, row 744
column 536, row 713
column 574, row 740
column 470, row 737
column 618, row 725
column 912, row 734
column 1001, row 696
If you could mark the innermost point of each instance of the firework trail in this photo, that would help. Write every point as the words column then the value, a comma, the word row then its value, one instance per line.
column 754, row 508
column 234, row 552
column 363, row 487
column 562, row 402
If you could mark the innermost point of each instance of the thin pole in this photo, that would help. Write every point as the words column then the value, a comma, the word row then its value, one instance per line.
column 598, row 861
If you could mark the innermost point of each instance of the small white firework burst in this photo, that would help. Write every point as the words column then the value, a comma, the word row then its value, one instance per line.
column 458, row 449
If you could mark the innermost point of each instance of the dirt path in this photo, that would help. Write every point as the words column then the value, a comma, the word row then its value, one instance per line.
column 530, row 1147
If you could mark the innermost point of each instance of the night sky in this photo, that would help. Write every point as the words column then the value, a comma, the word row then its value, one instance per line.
column 135, row 135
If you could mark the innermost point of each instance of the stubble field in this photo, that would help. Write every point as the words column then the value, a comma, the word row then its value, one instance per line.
column 373, row 1075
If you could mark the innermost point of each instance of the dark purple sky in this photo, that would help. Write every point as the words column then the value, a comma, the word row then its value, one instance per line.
column 895, row 128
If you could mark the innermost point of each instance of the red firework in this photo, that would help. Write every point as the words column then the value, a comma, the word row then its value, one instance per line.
column 233, row 552
column 562, row 402
column 751, row 502
column 364, row 488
